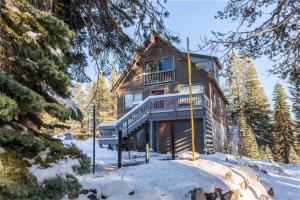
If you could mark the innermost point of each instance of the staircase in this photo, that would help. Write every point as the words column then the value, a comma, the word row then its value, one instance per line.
column 139, row 116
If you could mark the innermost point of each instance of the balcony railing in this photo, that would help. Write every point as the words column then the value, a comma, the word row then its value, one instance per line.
column 159, row 77
column 154, row 104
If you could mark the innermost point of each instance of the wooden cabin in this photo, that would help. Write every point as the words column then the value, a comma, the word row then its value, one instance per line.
column 153, row 100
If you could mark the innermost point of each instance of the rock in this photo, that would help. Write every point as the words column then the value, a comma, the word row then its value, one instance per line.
column 73, row 195
column 131, row 193
column 271, row 192
column 84, row 192
column 198, row 194
column 263, row 197
column 228, row 175
column 231, row 195
column 244, row 185
column 93, row 197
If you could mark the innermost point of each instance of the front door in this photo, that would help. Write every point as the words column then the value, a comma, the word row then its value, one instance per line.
column 158, row 104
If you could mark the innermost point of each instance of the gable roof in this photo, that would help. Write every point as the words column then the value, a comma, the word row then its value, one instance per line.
column 148, row 43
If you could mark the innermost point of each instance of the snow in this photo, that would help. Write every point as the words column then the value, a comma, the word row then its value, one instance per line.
column 169, row 179
column 2, row 150
column 32, row 35
column 67, row 102
column 61, row 168
column 55, row 52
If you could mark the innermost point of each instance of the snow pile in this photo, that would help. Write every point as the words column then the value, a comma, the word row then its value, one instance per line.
column 174, row 179
column 61, row 168
column 103, row 155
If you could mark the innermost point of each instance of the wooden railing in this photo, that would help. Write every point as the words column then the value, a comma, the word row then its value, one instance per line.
column 152, row 104
column 159, row 77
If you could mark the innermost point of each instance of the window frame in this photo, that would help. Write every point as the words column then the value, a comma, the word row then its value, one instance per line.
column 181, row 86
column 157, row 60
column 132, row 94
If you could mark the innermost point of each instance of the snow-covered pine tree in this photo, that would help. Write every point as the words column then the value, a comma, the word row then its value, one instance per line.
column 34, row 79
column 284, row 133
column 256, row 106
column 33, row 67
column 247, row 143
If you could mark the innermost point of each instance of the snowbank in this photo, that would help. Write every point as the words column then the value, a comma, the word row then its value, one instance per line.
column 168, row 179
column 61, row 168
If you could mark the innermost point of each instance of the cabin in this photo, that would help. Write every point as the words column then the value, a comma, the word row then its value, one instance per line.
column 154, row 101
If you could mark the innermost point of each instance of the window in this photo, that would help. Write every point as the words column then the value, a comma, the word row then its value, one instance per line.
column 166, row 64
column 195, row 89
column 162, row 64
column 150, row 66
column 131, row 98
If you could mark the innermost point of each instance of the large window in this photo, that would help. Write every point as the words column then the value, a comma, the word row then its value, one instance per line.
column 162, row 64
column 166, row 64
column 195, row 89
column 132, row 98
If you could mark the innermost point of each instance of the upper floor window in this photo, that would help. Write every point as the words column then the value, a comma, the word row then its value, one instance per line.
column 195, row 89
column 150, row 66
column 166, row 64
column 132, row 98
column 163, row 64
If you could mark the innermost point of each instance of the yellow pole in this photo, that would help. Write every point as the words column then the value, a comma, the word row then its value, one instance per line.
column 191, row 99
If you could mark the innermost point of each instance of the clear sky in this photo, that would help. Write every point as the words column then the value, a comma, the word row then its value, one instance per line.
column 195, row 19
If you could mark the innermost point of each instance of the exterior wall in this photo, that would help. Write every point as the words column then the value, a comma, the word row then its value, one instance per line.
column 182, row 136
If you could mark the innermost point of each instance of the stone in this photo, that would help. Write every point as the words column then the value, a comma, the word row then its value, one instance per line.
column 198, row 194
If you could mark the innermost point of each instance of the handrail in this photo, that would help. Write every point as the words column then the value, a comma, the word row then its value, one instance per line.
column 156, row 104
column 159, row 77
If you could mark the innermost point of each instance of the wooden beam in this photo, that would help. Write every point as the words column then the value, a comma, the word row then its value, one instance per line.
column 120, row 149
column 172, row 141
column 147, row 145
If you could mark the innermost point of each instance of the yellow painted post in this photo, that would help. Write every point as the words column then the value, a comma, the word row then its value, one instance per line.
column 191, row 99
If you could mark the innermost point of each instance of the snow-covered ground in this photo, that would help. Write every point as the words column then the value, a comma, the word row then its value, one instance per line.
column 174, row 179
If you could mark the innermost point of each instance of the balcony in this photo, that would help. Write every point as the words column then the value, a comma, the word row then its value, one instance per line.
column 159, row 77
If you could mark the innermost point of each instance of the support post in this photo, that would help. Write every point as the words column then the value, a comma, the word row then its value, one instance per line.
column 120, row 149
column 147, row 145
column 94, row 136
column 173, row 141
column 151, row 134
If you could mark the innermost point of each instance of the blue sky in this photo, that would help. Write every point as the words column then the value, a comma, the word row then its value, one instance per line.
column 195, row 19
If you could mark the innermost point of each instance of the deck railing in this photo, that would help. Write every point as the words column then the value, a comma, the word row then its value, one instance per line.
column 159, row 77
column 154, row 104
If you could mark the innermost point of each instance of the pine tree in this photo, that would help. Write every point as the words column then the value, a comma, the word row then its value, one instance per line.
column 294, row 157
column 113, row 76
column 113, row 79
column 33, row 66
column 256, row 107
column 266, row 153
column 247, row 144
column 295, row 92
column 103, row 100
column 234, row 87
column 283, row 125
